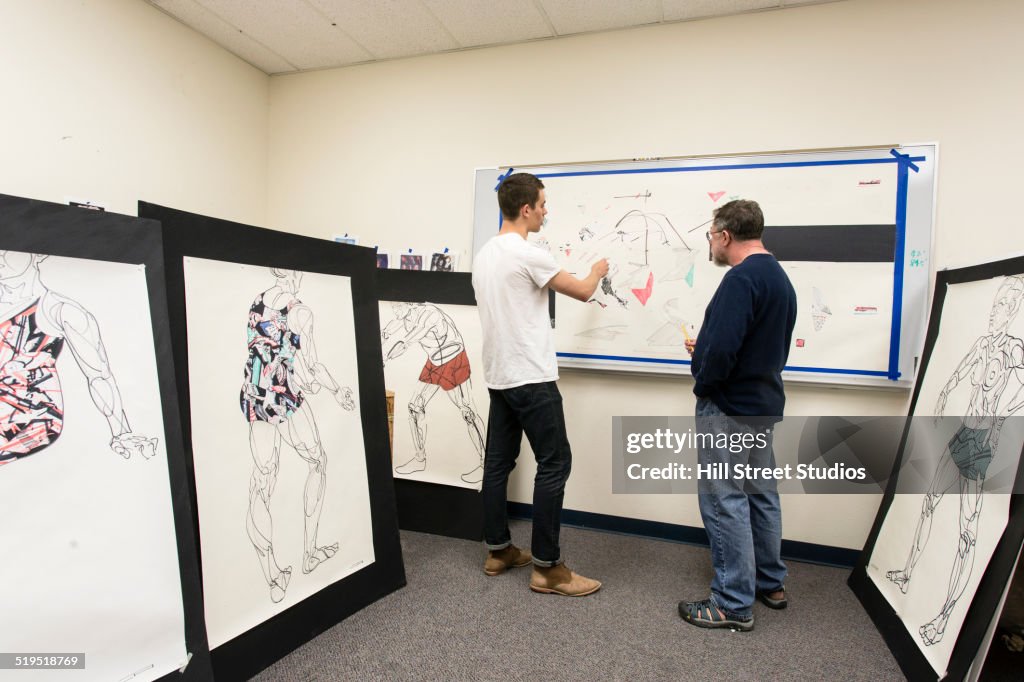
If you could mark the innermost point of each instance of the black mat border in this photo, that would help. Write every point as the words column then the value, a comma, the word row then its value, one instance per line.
column 36, row 226
column 986, row 600
column 194, row 235
column 444, row 510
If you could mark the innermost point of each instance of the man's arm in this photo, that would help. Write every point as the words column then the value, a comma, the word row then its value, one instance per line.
column 580, row 289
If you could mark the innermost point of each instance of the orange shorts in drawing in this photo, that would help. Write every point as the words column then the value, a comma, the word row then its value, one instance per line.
column 453, row 373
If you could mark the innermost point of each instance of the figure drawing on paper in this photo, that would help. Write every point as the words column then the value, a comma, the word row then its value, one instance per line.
column 446, row 367
column 35, row 325
column 992, row 367
column 281, row 367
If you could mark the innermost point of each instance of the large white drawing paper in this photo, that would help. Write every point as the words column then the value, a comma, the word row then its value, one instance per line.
column 90, row 562
column 932, row 549
column 283, row 502
column 651, row 227
column 432, row 363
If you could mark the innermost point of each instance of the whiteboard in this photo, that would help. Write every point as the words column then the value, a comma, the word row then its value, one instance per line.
column 852, row 229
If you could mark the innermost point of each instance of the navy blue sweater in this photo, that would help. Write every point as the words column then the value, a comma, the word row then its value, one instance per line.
column 744, row 341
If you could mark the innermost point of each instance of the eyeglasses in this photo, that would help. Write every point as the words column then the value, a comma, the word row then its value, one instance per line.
column 707, row 235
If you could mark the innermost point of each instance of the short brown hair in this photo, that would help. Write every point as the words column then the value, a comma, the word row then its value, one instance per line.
column 742, row 218
column 516, row 191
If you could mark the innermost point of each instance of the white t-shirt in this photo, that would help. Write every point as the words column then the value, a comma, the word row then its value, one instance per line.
column 510, row 278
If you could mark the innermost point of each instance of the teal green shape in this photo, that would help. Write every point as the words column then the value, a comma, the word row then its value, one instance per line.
column 689, row 277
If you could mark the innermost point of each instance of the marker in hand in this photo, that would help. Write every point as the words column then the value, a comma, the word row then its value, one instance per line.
column 690, row 341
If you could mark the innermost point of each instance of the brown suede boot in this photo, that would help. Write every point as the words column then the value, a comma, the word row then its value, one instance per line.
column 560, row 580
column 503, row 559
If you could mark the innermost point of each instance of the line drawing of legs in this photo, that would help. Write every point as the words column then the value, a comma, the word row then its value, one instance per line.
column 300, row 433
column 971, row 498
column 463, row 400
column 265, row 445
column 945, row 478
column 418, row 427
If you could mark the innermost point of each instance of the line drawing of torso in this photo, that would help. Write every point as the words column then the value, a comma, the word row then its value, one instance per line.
column 36, row 325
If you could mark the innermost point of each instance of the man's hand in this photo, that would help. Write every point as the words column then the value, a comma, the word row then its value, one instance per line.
column 689, row 345
column 600, row 268
column 128, row 444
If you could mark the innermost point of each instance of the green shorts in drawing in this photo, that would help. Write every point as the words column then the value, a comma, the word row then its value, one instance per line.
column 971, row 452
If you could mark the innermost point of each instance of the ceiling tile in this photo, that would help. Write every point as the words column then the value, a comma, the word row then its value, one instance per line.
column 389, row 28
column 581, row 16
column 224, row 34
column 472, row 22
column 294, row 30
column 681, row 10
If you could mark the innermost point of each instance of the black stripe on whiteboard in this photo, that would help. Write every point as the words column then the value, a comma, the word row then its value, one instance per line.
column 832, row 243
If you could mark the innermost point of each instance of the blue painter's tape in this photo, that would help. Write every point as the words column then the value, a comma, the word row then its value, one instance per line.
column 501, row 178
column 670, row 361
column 622, row 358
column 902, row 186
column 906, row 159
column 739, row 166
column 832, row 370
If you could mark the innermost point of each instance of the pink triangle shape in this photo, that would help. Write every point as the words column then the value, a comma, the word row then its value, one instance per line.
column 715, row 196
column 643, row 295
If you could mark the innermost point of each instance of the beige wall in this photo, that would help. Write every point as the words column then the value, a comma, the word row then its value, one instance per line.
column 386, row 151
column 113, row 101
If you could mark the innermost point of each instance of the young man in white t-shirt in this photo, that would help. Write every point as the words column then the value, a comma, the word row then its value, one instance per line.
column 511, row 279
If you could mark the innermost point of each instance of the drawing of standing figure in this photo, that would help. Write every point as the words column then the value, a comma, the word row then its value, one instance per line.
column 992, row 368
column 281, row 367
column 447, row 367
column 35, row 326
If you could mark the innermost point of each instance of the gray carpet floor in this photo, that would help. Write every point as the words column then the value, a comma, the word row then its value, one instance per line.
column 452, row 622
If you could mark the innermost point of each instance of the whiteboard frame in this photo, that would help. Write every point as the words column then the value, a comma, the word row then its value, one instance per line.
column 917, row 238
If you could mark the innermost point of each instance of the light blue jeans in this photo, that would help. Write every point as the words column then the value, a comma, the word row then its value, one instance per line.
column 744, row 528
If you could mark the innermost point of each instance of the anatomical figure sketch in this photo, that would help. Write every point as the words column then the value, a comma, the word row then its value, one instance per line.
column 446, row 367
column 282, row 367
column 36, row 324
column 992, row 372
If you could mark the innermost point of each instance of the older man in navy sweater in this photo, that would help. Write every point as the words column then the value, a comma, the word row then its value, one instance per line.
column 738, row 358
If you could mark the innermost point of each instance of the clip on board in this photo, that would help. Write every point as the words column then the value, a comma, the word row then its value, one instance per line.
column 852, row 229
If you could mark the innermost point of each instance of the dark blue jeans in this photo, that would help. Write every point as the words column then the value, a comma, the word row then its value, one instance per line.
column 535, row 409
column 744, row 528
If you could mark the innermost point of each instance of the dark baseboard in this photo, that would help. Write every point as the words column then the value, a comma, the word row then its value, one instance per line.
column 794, row 550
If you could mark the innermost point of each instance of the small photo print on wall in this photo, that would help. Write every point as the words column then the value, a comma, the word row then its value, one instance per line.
column 443, row 261
column 411, row 261
column 383, row 260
